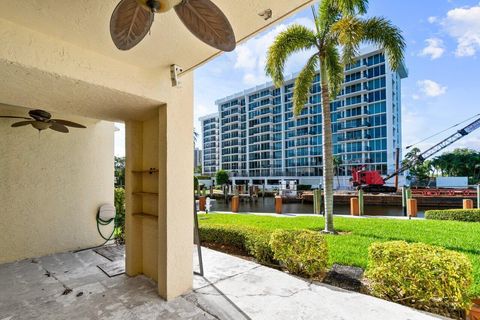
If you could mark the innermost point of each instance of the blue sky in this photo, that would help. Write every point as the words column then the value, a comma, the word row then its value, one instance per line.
column 443, row 51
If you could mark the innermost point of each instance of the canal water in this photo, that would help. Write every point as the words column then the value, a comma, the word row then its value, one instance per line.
column 267, row 206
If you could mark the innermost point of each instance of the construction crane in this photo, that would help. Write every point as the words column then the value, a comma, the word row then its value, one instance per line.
column 372, row 181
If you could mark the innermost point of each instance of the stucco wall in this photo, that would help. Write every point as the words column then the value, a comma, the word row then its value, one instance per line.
column 51, row 185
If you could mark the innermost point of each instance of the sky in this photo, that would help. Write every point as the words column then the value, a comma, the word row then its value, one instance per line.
column 442, row 55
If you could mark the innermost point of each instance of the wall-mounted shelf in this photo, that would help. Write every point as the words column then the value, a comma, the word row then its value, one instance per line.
column 145, row 215
column 145, row 193
column 149, row 171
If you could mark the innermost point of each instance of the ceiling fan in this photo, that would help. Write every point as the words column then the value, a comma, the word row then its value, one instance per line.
column 41, row 120
column 132, row 19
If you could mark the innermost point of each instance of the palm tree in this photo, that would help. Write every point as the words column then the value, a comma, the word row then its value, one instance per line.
column 339, row 31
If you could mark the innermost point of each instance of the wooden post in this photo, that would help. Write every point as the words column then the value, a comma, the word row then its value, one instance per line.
column 409, row 193
column 235, row 204
column 467, row 204
column 397, row 165
column 317, row 201
column 278, row 205
column 202, row 203
column 478, row 196
column 361, row 208
column 211, row 191
column 354, row 209
column 412, row 207
column 236, row 190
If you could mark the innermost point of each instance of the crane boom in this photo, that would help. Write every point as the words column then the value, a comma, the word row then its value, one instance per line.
column 439, row 146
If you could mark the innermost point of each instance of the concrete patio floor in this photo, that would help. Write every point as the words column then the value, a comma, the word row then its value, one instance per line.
column 232, row 288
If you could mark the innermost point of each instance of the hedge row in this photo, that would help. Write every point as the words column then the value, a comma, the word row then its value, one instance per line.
column 469, row 215
column 301, row 252
column 421, row 276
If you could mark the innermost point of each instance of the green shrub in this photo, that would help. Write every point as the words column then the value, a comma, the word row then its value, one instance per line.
column 469, row 215
column 221, row 177
column 119, row 201
column 302, row 252
column 420, row 275
column 252, row 241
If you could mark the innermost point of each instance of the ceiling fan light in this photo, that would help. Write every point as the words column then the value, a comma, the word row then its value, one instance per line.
column 39, row 125
column 159, row 5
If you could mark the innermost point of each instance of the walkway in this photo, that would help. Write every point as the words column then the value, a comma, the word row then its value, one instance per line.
column 70, row 286
column 234, row 288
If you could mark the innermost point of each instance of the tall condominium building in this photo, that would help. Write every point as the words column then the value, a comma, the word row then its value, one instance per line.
column 210, row 143
column 197, row 158
column 262, row 142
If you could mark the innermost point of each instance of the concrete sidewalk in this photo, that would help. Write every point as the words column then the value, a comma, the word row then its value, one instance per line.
column 234, row 288
column 71, row 286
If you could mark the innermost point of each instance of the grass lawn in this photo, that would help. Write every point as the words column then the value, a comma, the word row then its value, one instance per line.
column 351, row 247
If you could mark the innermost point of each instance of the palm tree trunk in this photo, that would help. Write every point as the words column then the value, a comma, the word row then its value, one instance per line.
column 327, row 150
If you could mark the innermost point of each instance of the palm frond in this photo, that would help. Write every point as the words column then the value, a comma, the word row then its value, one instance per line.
column 303, row 84
column 334, row 69
column 382, row 32
column 328, row 13
column 352, row 7
column 342, row 7
column 348, row 32
column 295, row 38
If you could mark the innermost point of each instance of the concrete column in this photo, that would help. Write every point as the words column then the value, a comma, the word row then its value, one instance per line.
column 159, row 207
column 278, row 204
column 175, row 237
column 202, row 202
column 412, row 207
column 235, row 204
column 354, row 208
column 467, row 204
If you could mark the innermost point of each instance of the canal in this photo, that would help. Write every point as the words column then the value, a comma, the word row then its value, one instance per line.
column 266, row 205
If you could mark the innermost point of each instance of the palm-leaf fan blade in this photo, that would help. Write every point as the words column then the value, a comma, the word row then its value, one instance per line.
column 22, row 123
column 14, row 117
column 69, row 123
column 129, row 24
column 207, row 22
column 59, row 127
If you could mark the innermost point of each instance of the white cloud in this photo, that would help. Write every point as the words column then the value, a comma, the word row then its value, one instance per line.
column 431, row 88
column 251, row 56
column 434, row 49
column 463, row 24
column 432, row 19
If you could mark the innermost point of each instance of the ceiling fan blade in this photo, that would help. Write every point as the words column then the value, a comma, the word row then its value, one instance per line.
column 68, row 123
column 129, row 24
column 59, row 127
column 207, row 22
column 14, row 117
column 22, row 123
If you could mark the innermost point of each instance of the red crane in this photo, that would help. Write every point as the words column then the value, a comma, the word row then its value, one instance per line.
column 372, row 181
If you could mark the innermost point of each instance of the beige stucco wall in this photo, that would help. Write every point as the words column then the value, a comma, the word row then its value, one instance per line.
column 51, row 186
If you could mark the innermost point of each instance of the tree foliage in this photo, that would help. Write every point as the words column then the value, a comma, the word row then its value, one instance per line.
column 221, row 177
column 459, row 163
column 420, row 171
column 119, row 167
column 340, row 29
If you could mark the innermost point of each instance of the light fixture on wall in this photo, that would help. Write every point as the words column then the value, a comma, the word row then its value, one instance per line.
column 174, row 74
column 266, row 14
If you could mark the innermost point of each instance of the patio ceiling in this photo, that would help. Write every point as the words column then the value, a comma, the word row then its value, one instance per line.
column 58, row 55
column 86, row 24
